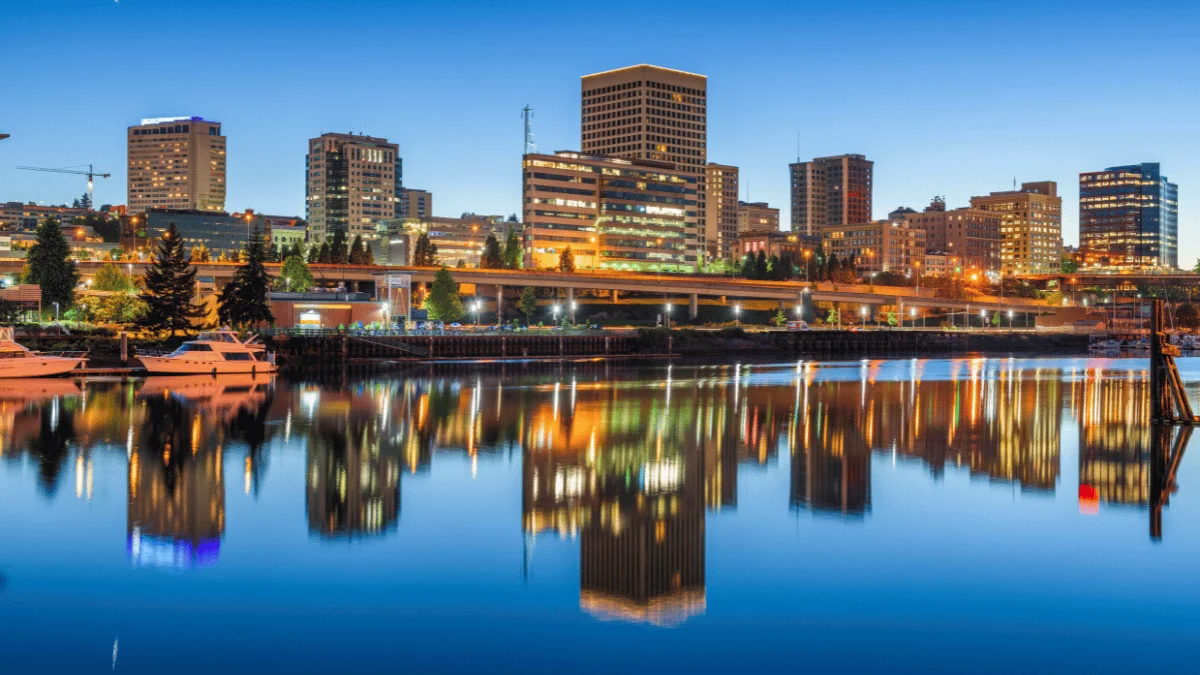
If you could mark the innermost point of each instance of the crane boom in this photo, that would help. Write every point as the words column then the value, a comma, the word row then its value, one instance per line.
column 91, row 173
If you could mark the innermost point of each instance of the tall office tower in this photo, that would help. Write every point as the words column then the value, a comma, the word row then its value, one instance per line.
column 350, row 184
column 721, row 211
column 176, row 163
column 1030, row 228
column 1129, row 217
column 648, row 112
column 613, row 213
column 831, row 191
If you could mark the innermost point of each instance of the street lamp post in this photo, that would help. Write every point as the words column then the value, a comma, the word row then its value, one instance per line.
column 1010, row 319
column 912, row 311
column 554, row 308
column 737, row 315
column 475, row 307
column 668, row 315
column 56, row 312
column 573, row 307
column 863, row 312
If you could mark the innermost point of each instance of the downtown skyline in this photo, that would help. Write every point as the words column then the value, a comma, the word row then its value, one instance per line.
column 938, row 113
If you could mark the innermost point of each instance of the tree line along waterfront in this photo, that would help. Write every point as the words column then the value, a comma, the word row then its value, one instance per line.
column 164, row 302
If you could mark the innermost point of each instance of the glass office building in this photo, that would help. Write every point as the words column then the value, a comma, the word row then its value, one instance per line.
column 1129, row 218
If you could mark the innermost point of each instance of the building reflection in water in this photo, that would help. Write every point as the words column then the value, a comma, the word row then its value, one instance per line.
column 176, row 486
column 1114, row 437
column 625, row 461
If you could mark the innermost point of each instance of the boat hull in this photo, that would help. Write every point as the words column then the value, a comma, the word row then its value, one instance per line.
column 167, row 365
column 40, row 366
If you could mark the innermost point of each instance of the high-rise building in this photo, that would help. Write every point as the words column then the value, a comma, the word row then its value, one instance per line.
column 756, row 216
column 614, row 213
column 653, row 113
column 350, row 184
column 176, row 163
column 415, row 203
column 972, row 236
column 831, row 191
column 1030, row 227
column 1129, row 217
column 721, row 211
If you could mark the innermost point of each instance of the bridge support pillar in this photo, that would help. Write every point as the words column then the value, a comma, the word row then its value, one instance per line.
column 571, row 303
column 614, row 296
column 694, row 306
column 499, row 304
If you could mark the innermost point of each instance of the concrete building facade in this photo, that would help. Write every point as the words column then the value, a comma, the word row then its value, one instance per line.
column 1030, row 227
column 831, row 191
column 350, row 184
column 459, row 241
column 613, row 213
column 721, row 211
column 879, row 246
column 756, row 216
column 969, row 234
column 176, row 163
column 415, row 204
column 652, row 113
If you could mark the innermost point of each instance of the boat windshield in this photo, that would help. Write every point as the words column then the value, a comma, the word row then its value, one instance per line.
column 218, row 337
column 193, row 347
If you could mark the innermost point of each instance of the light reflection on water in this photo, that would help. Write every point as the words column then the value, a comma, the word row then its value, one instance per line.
column 857, row 516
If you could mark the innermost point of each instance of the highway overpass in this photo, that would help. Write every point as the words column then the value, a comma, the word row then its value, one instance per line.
column 675, row 288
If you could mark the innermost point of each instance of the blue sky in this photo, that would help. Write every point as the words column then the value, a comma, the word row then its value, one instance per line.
column 947, row 98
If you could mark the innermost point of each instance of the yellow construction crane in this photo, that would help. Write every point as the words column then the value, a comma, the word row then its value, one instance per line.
column 91, row 174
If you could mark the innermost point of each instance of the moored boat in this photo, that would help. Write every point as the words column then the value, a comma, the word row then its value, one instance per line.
column 211, row 353
column 16, row 361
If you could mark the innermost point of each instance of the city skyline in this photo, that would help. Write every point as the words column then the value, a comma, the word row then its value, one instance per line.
column 967, row 141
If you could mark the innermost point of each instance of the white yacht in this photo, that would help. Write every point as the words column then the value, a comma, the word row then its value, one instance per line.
column 17, row 361
column 211, row 353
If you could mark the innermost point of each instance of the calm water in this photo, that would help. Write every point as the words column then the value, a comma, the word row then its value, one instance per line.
column 976, row 515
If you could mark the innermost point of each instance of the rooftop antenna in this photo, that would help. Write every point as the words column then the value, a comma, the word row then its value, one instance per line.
column 530, row 146
column 1014, row 182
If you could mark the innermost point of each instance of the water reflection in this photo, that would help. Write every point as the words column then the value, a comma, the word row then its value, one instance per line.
column 625, row 463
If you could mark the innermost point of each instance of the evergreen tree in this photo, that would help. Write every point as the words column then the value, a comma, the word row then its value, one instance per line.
column 425, row 252
column 243, row 301
column 491, row 258
column 50, row 266
column 358, row 252
column 314, row 253
column 297, row 251
column 832, row 267
column 325, row 256
column 200, row 254
column 274, row 251
column 761, row 269
column 566, row 260
column 170, row 285
column 294, row 275
column 339, row 252
column 787, row 267
column 749, row 267
column 443, row 303
column 513, row 251
column 775, row 267
column 528, row 303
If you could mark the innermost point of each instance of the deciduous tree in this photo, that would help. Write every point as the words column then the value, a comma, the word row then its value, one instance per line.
column 528, row 303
